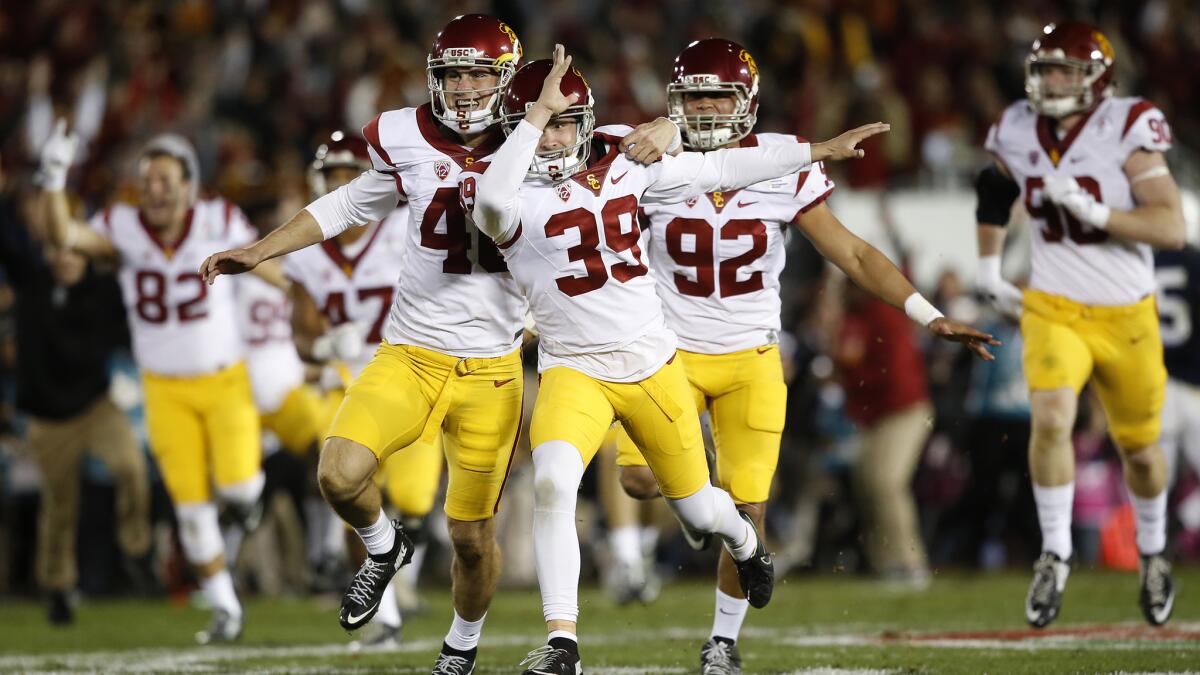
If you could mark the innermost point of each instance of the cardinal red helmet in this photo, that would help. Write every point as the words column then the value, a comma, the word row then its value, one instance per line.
column 472, row 40
column 714, row 66
column 523, row 92
column 1087, row 57
column 340, row 151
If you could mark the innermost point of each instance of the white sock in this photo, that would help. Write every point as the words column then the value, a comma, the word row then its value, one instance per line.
column 218, row 589
column 727, row 619
column 411, row 573
column 388, row 613
column 380, row 537
column 626, row 547
column 649, row 540
column 464, row 635
column 1054, row 506
column 557, row 470
column 711, row 509
column 1151, row 516
column 565, row 634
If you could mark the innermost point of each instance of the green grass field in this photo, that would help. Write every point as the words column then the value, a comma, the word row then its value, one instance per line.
column 815, row 624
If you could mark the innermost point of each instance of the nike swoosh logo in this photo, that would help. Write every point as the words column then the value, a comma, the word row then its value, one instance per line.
column 501, row 383
column 741, row 203
column 727, row 613
column 1134, row 341
column 763, row 350
column 351, row 619
column 617, row 179
column 1076, row 160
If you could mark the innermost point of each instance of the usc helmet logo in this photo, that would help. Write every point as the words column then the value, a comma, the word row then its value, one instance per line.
column 1105, row 46
column 580, row 76
column 745, row 58
column 517, row 52
column 593, row 182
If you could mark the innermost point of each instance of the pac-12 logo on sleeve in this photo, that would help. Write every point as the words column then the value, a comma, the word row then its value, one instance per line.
column 441, row 168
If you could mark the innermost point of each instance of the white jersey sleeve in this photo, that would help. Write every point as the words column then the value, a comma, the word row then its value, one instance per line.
column 1145, row 128
column 691, row 174
column 367, row 198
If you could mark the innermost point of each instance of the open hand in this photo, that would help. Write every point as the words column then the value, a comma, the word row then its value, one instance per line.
column 975, row 340
column 846, row 145
column 552, row 98
column 234, row 261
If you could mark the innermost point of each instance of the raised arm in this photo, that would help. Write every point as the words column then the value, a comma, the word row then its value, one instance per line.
column 369, row 197
column 496, row 207
column 693, row 173
column 61, row 228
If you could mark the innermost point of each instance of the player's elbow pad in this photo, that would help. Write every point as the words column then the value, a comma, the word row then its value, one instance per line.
column 996, row 194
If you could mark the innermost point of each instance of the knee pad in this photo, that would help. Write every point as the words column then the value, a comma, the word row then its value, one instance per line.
column 199, row 532
column 243, row 494
column 697, row 511
column 557, row 471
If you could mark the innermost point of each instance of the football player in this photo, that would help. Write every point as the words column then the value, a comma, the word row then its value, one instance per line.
column 1089, row 168
column 341, row 293
column 716, row 260
column 565, row 217
column 200, row 416
column 450, row 359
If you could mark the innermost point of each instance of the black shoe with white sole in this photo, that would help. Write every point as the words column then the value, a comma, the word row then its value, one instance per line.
column 361, row 600
column 453, row 661
column 224, row 628
column 1044, row 599
column 719, row 656
column 756, row 574
column 1157, row 595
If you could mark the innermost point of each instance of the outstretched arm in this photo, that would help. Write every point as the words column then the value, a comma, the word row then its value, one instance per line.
column 369, row 197
column 996, row 192
column 693, row 173
column 874, row 273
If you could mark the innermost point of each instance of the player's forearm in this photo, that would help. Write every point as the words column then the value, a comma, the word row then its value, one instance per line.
column 990, row 239
column 875, row 274
column 498, row 187
column 1159, row 226
column 58, row 219
column 299, row 232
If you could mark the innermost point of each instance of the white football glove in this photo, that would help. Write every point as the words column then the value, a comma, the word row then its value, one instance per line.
column 57, row 155
column 342, row 343
column 1067, row 193
column 1003, row 296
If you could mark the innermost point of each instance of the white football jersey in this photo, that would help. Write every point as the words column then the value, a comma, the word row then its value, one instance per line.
column 717, row 258
column 358, row 284
column 1069, row 258
column 455, row 294
column 271, row 359
column 180, row 325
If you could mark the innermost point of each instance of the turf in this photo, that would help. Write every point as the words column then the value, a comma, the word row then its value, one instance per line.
column 828, row 624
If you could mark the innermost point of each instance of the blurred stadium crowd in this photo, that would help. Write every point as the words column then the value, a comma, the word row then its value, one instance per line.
column 257, row 85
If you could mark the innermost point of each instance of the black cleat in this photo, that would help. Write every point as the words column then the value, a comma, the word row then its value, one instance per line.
column 1044, row 599
column 361, row 600
column 553, row 660
column 60, row 608
column 452, row 661
column 1157, row 596
column 756, row 574
column 720, row 656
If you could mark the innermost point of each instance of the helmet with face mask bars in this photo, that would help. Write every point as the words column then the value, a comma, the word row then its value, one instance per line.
column 1085, row 53
column 471, row 41
column 720, row 67
column 523, row 92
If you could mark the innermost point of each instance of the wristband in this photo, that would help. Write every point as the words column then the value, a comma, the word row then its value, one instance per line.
column 920, row 310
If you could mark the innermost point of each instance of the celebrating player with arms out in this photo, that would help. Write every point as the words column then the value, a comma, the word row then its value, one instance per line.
column 1090, row 169
column 341, row 293
column 450, row 359
column 568, row 230
column 716, row 260
column 200, row 416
